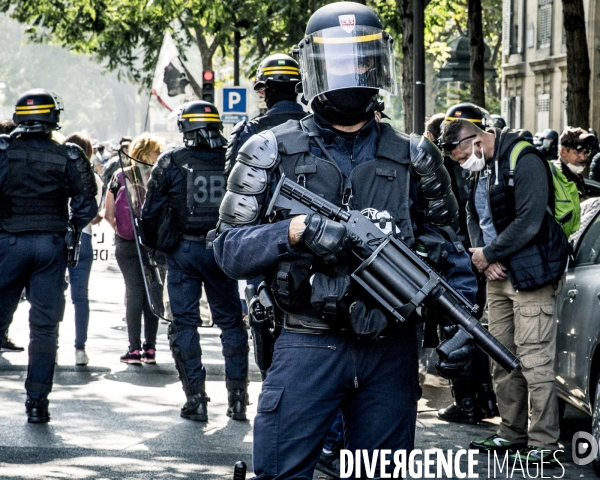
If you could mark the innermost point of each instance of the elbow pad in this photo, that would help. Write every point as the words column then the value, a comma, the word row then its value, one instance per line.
column 247, row 184
column 87, row 182
column 435, row 185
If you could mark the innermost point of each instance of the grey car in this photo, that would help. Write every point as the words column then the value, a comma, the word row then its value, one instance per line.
column 578, row 316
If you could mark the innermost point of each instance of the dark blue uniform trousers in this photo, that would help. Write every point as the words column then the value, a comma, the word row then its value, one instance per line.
column 190, row 266
column 37, row 262
column 375, row 382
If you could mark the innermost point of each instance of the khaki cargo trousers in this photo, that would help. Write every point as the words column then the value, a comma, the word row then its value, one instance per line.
column 523, row 322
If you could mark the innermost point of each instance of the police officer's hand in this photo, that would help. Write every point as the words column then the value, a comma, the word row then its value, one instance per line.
column 454, row 352
column 326, row 238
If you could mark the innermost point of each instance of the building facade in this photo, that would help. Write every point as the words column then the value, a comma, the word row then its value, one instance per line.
column 534, row 64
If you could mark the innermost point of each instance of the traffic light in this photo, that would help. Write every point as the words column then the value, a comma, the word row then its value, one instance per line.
column 208, row 86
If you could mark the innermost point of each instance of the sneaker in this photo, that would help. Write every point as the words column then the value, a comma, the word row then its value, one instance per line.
column 133, row 357
column 9, row 346
column 496, row 443
column 81, row 357
column 537, row 455
column 149, row 356
column 329, row 463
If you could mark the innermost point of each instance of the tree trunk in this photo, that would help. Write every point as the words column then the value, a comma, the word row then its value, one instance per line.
column 476, row 48
column 206, row 51
column 578, row 65
column 493, row 83
column 407, row 11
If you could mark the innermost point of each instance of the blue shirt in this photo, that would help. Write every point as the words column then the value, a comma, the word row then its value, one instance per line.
column 483, row 209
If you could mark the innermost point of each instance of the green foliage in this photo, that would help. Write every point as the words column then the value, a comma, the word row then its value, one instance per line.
column 93, row 101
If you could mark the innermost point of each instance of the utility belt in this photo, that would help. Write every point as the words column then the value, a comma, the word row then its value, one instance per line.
column 294, row 323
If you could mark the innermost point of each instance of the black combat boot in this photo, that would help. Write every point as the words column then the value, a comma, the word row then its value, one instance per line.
column 461, row 412
column 238, row 400
column 195, row 407
column 486, row 401
column 37, row 410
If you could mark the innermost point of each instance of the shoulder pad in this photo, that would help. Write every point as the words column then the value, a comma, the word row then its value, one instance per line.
column 164, row 161
column 426, row 158
column 259, row 151
column 5, row 141
column 74, row 151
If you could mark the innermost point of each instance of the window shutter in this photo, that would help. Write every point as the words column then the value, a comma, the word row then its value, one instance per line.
column 520, row 25
column 518, row 113
column 543, row 105
column 506, row 26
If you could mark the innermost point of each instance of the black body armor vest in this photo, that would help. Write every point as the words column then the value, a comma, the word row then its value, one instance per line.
column 34, row 196
column 376, row 186
column 204, row 187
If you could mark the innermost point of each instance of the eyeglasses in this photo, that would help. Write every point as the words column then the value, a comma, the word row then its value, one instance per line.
column 447, row 147
column 580, row 149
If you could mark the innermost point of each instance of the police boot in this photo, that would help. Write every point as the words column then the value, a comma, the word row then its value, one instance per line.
column 486, row 401
column 37, row 410
column 238, row 400
column 463, row 411
column 195, row 407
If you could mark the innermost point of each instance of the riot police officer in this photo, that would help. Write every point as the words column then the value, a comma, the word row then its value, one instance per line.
column 549, row 144
column 473, row 392
column 276, row 79
column 182, row 204
column 342, row 153
column 37, row 225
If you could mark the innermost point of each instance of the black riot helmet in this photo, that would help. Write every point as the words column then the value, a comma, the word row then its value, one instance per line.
column 37, row 110
column 526, row 134
column 498, row 121
column 200, row 123
column 277, row 70
column 345, row 47
column 549, row 147
column 471, row 112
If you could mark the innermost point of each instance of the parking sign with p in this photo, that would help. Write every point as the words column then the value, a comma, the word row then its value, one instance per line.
column 235, row 100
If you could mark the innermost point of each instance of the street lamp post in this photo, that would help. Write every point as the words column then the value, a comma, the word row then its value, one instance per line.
column 419, row 67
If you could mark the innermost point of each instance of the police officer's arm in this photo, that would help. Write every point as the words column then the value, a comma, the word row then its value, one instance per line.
column 159, row 189
column 82, row 187
column 530, row 207
column 4, row 142
column 248, row 252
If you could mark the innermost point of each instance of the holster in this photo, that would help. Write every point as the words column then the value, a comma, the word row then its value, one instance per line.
column 261, row 316
column 73, row 244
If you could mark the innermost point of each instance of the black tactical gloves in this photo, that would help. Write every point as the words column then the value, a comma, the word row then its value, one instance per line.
column 328, row 239
column 454, row 352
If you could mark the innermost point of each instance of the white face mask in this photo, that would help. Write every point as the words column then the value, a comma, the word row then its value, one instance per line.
column 577, row 169
column 474, row 163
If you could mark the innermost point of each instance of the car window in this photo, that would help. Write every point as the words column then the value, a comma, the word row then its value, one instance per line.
column 588, row 250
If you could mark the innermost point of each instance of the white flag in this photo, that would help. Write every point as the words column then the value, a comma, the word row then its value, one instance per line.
column 171, row 85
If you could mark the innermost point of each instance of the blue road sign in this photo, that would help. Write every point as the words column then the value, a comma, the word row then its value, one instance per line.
column 234, row 100
column 233, row 119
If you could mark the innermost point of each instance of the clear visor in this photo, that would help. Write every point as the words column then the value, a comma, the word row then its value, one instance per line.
column 333, row 58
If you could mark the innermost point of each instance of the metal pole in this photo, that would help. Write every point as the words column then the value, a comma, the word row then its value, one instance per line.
column 147, row 114
column 236, row 57
column 419, row 67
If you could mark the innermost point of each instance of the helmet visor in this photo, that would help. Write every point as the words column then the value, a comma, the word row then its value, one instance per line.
column 333, row 59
